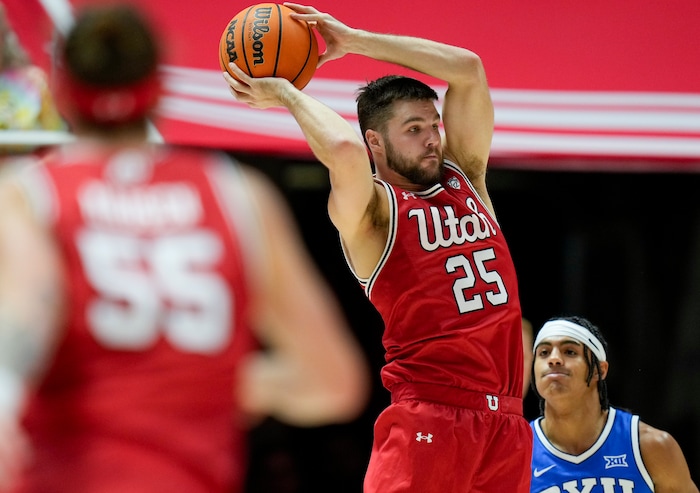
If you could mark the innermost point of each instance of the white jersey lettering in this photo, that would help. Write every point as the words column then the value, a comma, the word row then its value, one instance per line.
column 468, row 228
column 156, row 207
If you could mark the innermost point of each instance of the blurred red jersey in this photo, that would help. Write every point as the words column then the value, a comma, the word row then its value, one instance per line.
column 139, row 397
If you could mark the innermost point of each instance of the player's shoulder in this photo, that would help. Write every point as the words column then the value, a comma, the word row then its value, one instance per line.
column 664, row 459
column 655, row 440
column 657, row 446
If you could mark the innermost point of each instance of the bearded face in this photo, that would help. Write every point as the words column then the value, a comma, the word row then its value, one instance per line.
column 415, row 169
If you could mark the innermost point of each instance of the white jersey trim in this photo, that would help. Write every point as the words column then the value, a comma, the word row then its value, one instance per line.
column 576, row 459
column 346, row 256
column 636, row 448
column 457, row 169
column 391, row 237
column 368, row 283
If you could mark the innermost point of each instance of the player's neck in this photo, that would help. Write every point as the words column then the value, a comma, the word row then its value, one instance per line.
column 574, row 430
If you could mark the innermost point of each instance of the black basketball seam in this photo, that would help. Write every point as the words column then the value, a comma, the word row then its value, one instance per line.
column 224, row 63
column 308, row 53
column 279, row 39
column 245, row 55
column 223, row 58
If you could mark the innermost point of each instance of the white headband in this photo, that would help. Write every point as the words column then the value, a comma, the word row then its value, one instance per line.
column 558, row 328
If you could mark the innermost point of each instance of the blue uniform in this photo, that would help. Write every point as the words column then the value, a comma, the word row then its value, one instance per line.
column 612, row 465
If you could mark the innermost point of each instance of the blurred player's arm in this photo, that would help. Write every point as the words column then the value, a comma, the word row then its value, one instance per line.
column 30, row 297
column 313, row 371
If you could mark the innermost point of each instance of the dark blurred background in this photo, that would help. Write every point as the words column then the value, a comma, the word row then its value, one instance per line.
column 621, row 249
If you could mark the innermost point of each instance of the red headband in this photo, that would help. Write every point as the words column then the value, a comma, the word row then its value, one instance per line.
column 103, row 104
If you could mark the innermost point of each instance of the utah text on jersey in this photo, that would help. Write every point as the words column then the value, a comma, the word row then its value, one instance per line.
column 468, row 228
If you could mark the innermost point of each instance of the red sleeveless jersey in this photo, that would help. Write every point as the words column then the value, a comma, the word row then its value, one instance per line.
column 447, row 291
column 140, row 395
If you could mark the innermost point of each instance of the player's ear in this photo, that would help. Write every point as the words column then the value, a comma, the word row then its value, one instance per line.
column 603, row 370
column 374, row 139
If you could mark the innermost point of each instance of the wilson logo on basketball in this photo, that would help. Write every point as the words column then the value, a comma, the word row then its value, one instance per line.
column 259, row 29
column 264, row 40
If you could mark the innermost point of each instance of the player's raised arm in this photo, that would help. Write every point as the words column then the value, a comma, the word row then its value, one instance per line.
column 467, row 110
column 354, row 201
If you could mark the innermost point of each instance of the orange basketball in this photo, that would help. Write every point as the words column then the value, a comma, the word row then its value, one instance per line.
column 264, row 41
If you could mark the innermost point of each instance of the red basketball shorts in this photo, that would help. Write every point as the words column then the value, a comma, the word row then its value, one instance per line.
column 446, row 440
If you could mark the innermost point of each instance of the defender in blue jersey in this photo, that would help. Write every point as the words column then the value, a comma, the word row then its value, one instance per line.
column 581, row 443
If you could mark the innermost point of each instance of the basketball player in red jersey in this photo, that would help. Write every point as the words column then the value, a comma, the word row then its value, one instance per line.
column 137, row 283
column 423, row 240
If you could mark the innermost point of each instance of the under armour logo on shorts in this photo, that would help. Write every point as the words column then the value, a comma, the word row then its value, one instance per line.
column 428, row 438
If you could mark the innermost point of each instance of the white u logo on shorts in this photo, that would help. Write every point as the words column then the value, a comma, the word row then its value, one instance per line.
column 492, row 401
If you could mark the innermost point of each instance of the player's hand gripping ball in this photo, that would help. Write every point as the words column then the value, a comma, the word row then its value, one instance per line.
column 264, row 41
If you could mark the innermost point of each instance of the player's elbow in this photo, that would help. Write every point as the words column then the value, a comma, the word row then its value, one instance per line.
column 343, row 149
column 468, row 68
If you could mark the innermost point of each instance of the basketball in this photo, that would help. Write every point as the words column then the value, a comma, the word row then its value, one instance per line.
column 264, row 41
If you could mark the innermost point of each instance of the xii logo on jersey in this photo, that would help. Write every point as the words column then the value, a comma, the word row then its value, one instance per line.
column 615, row 461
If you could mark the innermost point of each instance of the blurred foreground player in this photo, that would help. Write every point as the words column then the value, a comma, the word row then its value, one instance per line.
column 136, row 283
